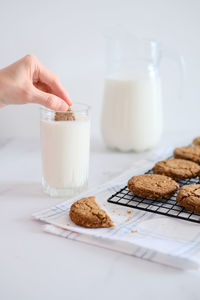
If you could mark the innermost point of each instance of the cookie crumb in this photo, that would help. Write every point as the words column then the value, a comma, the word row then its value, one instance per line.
column 134, row 231
column 128, row 212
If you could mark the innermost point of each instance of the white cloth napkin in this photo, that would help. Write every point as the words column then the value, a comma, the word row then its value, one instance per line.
column 139, row 233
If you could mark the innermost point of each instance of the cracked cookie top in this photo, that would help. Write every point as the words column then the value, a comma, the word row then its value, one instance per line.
column 86, row 212
column 189, row 197
column 188, row 152
column 177, row 168
column 153, row 186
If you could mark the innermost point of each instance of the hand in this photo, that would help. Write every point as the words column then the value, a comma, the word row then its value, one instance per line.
column 28, row 81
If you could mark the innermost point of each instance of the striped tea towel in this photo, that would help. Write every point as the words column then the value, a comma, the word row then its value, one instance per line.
column 139, row 233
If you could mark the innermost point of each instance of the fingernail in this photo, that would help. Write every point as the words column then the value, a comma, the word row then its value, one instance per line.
column 63, row 106
column 69, row 100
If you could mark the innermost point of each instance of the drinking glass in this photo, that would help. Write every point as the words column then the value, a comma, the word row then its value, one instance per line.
column 65, row 148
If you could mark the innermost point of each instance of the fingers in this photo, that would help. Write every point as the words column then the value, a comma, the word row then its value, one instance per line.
column 46, row 76
column 49, row 100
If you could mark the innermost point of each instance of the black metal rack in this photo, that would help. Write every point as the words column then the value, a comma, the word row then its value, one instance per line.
column 167, row 207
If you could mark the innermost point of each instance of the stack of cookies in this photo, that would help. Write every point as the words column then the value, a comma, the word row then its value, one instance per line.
column 162, row 184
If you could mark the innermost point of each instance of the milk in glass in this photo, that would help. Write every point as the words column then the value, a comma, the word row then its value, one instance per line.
column 65, row 152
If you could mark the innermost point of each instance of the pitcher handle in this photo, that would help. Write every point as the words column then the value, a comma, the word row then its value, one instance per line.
column 179, row 59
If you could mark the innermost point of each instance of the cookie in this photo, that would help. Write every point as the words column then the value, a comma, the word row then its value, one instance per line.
column 177, row 168
column 65, row 116
column 188, row 152
column 153, row 186
column 86, row 212
column 189, row 197
column 196, row 141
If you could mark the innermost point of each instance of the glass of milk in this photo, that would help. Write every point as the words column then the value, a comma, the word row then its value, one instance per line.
column 132, row 116
column 65, row 147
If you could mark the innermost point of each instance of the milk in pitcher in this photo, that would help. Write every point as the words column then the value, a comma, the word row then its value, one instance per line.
column 132, row 113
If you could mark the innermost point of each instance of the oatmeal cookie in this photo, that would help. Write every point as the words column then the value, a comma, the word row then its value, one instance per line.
column 189, row 197
column 86, row 212
column 188, row 152
column 177, row 168
column 196, row 141
column 153, row 186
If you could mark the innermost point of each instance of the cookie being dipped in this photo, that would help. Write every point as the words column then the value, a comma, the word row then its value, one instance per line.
column 65, row 116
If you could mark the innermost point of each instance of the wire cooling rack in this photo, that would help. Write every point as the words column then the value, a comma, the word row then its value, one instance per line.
column 167, row 207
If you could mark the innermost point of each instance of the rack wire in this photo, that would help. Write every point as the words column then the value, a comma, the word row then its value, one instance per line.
column 167, row 207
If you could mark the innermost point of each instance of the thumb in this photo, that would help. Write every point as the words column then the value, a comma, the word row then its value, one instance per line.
column 49, row 100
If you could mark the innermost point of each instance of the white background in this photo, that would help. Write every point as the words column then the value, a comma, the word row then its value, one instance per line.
column 67, row 36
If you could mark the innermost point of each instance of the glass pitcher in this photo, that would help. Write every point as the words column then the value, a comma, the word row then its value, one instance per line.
column 132, row 118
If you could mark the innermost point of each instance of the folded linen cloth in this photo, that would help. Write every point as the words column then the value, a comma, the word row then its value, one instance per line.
column 146, row 235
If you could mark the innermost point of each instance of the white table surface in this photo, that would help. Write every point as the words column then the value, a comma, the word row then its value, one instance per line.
column 37, row 265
